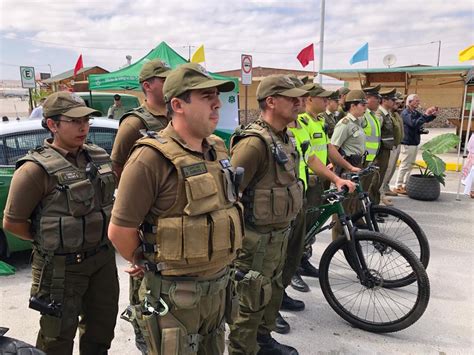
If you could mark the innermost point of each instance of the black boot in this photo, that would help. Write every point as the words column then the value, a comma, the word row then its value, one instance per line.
column 282, row 326
column 298, row 283
column 306, row 269
column 289, row 304
column 269, row 346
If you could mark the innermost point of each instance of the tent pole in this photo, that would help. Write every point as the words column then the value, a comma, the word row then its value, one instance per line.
column 460, row 128
column 465, row 144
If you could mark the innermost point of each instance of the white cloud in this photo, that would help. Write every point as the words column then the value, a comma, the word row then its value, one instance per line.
column 273, row 31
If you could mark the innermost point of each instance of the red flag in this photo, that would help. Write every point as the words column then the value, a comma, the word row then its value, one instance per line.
column 306, row 55
column 79, row 65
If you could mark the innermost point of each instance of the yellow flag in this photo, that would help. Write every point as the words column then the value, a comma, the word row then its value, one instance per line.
column 465, row 54
column 198, row 56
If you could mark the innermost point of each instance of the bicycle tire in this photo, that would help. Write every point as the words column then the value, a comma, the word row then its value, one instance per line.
column 335, row 270
column 416, row 240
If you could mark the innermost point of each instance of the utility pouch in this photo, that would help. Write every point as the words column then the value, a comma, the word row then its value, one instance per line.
column 255, row 291
column 80, row 198
column 148, row 323
column 50, row 326
column 185, row 294
column 231, row 301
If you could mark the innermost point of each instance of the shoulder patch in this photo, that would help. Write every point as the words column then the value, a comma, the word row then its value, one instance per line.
column 345, row 120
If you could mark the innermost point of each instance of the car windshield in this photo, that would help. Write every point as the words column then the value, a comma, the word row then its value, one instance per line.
column 16, row 145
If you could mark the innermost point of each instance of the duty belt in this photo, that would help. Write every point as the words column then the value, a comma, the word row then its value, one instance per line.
column 206, row 286
column 77, row 258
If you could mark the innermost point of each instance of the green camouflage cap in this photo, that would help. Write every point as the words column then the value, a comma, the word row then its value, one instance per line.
column 356, row 96
column 67, row 104
column 300, row 83
column 192, row 76
column 154, row 68
column 343, row 90
column 388, row 94
column 399, row 96
column 281, row 85
column 334, row 95
column 297, row 81
column 372, row 90
column 318, row 91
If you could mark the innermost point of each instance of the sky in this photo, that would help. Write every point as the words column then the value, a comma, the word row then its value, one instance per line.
column 51, row 34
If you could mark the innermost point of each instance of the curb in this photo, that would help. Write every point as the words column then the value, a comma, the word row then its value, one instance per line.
column 449, row 166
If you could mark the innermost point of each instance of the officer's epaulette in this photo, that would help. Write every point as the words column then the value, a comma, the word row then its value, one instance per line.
column 345, row 120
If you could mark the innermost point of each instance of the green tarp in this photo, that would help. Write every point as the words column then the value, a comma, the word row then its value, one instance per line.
column 127, row 78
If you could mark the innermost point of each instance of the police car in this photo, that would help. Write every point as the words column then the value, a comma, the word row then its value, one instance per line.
column 16, row 139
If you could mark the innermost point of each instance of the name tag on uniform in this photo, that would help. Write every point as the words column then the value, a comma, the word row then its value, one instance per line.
column 317, row 135
column 194, row 169
column 355, row 129
column 70, row 176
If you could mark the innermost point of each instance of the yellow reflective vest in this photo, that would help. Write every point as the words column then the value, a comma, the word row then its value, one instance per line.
column 301, row 135
column 317, row 134
column 372, row 133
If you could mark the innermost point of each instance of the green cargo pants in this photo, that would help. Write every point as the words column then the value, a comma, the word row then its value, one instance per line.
column 296, row 246
column 261, row 259
column 194, row 322
column 381, row 160
column 351, row 205
column 91, row 292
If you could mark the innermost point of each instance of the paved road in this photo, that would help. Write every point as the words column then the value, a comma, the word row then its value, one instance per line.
column 447, row 327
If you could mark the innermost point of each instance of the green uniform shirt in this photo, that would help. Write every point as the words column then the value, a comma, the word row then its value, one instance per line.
column 349, row 135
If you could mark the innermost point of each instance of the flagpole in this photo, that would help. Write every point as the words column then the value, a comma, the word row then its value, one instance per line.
column 321, row 42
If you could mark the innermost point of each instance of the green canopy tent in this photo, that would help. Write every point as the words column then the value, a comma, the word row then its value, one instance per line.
column 127, row 79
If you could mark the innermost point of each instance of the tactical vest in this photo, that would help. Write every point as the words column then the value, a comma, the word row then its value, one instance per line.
column 204, row 227
column 330, row 122
column 386, row 130
column 301, row 135
column 276, row 196
column 150, row 121
column 318, row 137
column 372, row 134
column 73, row 217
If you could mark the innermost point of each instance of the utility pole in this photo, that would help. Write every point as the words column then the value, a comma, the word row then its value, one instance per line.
column 439, row 51
column 321, row 41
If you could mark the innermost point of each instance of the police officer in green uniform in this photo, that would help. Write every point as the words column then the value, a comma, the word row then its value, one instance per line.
column 387, row 143
column 272, row 198
column 151, row 116
column 349, row 138
column 330, row 116
column 371, row 125
column 397, row 139
column 177, row 220
column 314, row 123
column 65, row 211
column 343, row 91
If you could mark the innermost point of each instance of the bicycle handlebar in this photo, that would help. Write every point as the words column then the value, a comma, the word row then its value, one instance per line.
column 334, row 195
column 354, row 177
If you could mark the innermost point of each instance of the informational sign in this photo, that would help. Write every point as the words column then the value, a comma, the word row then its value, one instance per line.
column 246, row 75
column 27, row 75
column 44, row 76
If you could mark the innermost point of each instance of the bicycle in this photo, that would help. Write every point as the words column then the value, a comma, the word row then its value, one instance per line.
column 355, row 269
column 390, row 221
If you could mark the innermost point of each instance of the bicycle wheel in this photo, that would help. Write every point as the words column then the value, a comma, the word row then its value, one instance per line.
column 373, row 307
column 400, row 226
